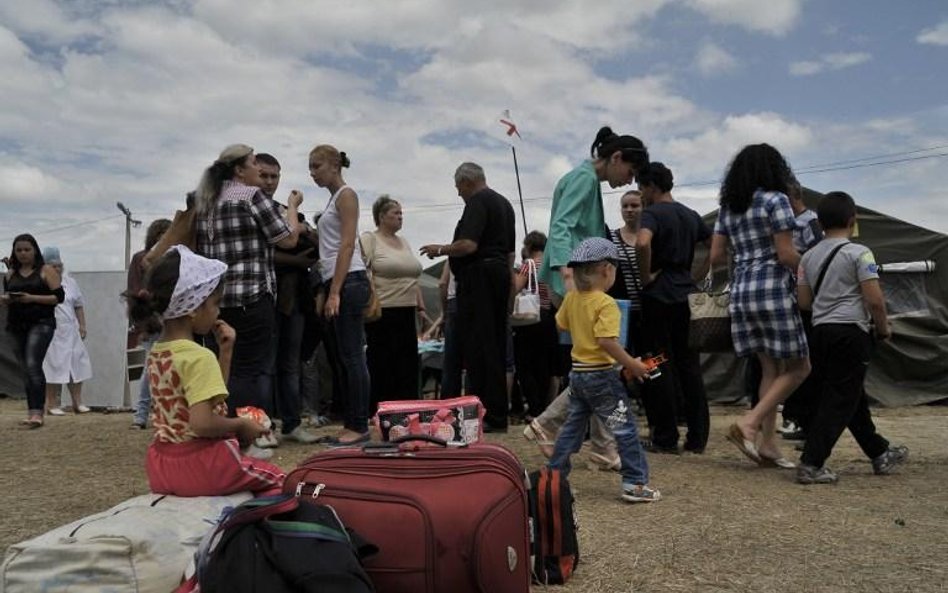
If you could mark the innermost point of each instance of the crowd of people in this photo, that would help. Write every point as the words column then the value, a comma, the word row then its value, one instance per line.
column 233, row 295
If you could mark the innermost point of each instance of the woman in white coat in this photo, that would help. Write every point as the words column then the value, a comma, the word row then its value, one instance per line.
column 67, row 360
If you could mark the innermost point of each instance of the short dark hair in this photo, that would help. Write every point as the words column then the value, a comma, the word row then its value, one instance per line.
column 534, row 241
column 155, row 230
column 145, row 307
column 657, row 174
column 268, row 159
column 835, row 210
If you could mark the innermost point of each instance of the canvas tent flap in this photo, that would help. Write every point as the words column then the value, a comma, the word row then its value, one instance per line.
column 910, row 368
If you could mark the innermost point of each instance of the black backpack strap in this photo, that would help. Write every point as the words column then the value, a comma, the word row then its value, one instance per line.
column 825, row 266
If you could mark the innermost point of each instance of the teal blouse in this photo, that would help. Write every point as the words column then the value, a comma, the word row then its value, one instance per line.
column 576, row 214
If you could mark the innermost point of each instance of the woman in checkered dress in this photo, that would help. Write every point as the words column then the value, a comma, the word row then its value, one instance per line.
column 756, row 219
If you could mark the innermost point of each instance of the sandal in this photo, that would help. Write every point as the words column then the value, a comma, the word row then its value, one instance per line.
column 35, row 421
column 534, row 432
column 778, row 462
column 748, row 448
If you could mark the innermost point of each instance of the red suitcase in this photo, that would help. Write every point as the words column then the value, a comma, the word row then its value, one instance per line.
column 446, row 520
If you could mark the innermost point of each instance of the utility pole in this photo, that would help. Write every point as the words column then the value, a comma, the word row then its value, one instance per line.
column 129, row 223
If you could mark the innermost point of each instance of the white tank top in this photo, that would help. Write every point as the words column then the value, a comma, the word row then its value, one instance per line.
column 330, row 236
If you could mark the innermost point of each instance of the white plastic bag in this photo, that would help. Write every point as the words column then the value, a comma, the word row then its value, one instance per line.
column 526, row 308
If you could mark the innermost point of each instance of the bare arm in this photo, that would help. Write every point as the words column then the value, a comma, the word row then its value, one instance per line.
column 348, row 207
column 292, row 220
column 225, row 336
column 205, row 423
column 459, row 248
column 804, row 297
column 718, row 252
column 81, row 317
column 786, row 254
column 634, row 366
column 875, row 304
column 643, row 244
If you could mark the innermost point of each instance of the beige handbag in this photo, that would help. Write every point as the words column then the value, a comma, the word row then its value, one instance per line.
column 710, row 327
column 373, row 310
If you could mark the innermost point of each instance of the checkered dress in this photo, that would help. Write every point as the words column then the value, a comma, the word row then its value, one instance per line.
column 764, row 314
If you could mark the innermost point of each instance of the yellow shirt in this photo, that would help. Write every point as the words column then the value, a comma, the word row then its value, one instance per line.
column 587, row 316
column 182, row 373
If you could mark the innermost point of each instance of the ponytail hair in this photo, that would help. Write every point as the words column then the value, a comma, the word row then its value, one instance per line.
column 608, row 143
column 220, row 171
column 331, row 155
column 146, row 306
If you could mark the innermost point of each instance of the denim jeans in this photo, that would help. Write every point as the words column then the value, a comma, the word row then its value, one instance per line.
column 601, row 394
column 251, row 368
column 143, row 405
column 32, row 344
column 289, row 342
column 348, row 333
column 451, row 361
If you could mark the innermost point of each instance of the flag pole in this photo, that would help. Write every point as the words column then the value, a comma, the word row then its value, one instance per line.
column 523, row 213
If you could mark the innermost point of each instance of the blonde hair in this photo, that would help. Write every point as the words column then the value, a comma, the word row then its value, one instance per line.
column 329, row 153
column 585, row 274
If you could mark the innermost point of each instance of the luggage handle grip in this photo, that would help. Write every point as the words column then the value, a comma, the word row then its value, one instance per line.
column 393, row 445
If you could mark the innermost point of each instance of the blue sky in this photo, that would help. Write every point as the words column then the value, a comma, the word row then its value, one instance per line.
column 128, row 100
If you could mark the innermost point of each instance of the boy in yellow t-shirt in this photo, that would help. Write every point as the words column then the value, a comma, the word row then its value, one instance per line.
column 592, row 318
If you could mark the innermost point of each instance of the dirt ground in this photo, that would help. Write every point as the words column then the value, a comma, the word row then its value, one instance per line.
column 724, row 524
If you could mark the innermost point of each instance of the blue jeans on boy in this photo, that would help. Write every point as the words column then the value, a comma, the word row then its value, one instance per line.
column 348, row 332
column 601, row 393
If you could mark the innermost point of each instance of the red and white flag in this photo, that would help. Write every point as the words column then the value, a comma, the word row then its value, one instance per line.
column 511, row 127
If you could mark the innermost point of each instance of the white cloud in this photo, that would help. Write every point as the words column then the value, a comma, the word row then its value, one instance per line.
column 829, row 62
column 45, row 20
column 774, row 17
column 713, row 60
column 937, row 35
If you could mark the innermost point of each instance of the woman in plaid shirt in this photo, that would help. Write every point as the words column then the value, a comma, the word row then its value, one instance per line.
column 757, row 220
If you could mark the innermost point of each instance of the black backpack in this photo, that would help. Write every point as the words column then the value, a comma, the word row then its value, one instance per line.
column 555, row 547
column 279, row 544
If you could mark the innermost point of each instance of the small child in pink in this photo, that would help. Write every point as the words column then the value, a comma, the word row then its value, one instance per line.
column 196, row 450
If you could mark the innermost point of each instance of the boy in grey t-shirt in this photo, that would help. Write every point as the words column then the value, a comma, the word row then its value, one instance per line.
column 839, row 281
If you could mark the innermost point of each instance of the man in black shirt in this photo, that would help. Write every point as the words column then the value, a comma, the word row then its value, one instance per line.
column 666, row 243
column 481, row 258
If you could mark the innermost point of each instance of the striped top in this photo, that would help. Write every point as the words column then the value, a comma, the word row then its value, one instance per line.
column 628, row 281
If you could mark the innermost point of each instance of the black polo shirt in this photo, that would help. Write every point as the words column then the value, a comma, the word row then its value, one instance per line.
column 488, row 220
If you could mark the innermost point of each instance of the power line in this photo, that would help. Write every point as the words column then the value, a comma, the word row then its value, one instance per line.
column 73, row 225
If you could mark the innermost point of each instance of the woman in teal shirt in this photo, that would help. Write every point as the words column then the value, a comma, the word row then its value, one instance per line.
column 577, row 202
column 577, row 214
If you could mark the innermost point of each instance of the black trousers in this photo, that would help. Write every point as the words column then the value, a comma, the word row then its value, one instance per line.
column 392, row 355
column 483, row 291
column 801, row 405
column 535, row 351
column 665, row 330
column 840, row 355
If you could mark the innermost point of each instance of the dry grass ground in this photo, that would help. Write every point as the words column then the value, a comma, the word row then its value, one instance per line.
column 724, row 524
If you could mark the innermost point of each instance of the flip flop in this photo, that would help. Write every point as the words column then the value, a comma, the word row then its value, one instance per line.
column 35, row 422
column 748, row 448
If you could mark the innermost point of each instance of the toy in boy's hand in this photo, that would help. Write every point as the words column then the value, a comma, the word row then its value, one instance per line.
column 258, row 416
column 652, row 363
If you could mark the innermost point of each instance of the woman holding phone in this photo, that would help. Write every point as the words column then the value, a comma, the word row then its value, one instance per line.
column 31, row 291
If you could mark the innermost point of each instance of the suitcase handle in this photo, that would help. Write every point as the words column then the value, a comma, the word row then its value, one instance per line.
column 392, row 446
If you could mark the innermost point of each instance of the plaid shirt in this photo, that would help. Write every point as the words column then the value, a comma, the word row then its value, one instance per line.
column 240, row 231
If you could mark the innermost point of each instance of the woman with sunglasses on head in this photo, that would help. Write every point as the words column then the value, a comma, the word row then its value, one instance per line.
column 31, row 291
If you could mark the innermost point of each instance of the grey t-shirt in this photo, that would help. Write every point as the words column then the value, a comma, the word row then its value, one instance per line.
column 840, row 296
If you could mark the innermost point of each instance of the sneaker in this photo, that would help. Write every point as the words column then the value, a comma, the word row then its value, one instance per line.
column 808, row 474
column 794, row 435
column 788, row 426
column 300, row 435
column 83, row 410
column 258, row 453
column 640, row 493
column 267, row 440
column 318, row 421
column 885, row 463
column 56, row 412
